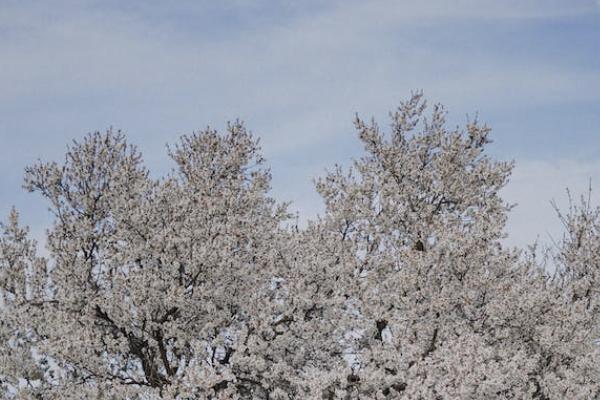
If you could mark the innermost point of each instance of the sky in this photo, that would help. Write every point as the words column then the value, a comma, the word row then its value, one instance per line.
column 297, row 73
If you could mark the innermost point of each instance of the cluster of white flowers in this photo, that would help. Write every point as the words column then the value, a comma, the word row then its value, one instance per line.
column 199, row 285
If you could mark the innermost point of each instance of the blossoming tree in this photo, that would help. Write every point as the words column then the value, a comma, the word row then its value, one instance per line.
column 199, row 285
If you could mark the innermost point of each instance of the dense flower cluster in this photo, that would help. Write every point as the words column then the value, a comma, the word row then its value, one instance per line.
column 199, row 285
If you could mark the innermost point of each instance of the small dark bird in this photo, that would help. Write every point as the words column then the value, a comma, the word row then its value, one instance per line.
column 419, row 246
column 381, row 325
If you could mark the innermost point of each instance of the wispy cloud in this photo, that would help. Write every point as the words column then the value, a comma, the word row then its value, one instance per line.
column 295, row 71
column 535, row 184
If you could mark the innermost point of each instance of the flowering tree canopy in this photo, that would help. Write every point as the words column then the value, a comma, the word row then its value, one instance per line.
column 199, row 285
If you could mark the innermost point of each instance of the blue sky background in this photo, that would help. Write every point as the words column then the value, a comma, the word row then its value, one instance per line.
column 296, row 73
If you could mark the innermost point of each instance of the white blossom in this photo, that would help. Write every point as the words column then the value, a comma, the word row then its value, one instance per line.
column 198, row 285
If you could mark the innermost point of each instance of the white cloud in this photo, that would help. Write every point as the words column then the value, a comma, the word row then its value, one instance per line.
column 353, row 57
column 296, row 82
column 534, row 184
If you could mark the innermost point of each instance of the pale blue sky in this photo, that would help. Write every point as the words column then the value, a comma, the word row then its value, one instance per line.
column 296, row 72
